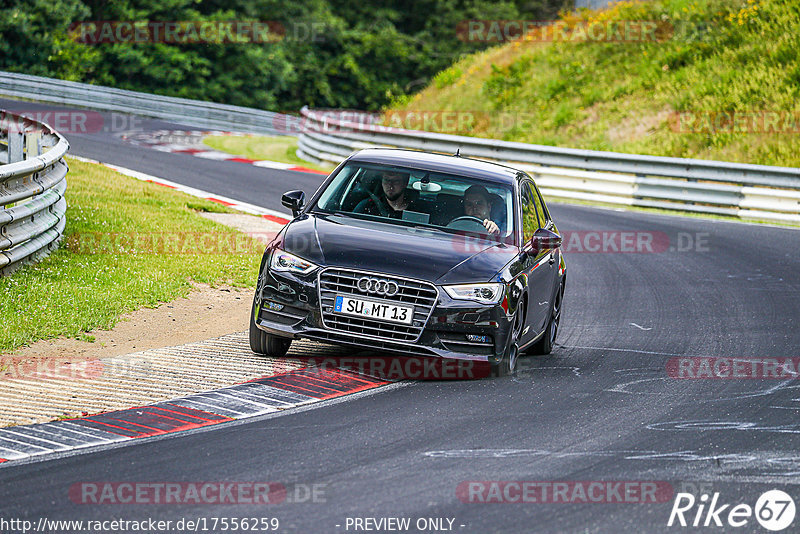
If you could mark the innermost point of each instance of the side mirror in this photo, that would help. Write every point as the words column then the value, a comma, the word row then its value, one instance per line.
column 294, row 200
column 542, row 240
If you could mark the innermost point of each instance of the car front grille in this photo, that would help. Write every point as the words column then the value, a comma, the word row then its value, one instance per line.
column 421, row 295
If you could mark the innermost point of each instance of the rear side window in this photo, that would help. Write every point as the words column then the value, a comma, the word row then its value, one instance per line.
column 530, row 217
column 541, row 212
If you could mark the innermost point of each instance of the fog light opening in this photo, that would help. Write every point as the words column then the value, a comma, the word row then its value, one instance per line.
column 274, row 306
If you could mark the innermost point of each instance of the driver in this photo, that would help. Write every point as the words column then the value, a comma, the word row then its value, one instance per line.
column 395, row 198
column 477, row 203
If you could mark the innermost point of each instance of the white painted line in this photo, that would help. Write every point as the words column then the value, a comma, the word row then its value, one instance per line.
column 19, row 446
column 219, row 156
column 27, row 438
column 241, row 400
column 273, row 165
column 232, row 403
column 62, row 435
column 9, row 454
column 100, row 435
column 174, row 147
column 272, row 400
column 270, row 391
column 205, row 407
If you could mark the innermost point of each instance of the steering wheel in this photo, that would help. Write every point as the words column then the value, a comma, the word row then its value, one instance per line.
column 467, row 223
column 378, row 204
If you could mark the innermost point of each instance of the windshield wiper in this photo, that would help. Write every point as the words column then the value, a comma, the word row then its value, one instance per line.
column 347, row 214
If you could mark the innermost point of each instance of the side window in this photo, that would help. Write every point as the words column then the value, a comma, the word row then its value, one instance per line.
column 530, row 220
column 541, row 212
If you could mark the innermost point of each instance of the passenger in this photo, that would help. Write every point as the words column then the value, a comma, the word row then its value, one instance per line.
column 395, row 198
column 478, row 203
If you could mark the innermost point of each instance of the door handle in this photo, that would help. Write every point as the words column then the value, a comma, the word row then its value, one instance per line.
column 552, row 258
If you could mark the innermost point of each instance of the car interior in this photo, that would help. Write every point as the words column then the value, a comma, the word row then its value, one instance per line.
column 439, row 197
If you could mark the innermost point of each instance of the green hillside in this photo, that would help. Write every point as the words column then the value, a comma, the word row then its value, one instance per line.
column 722, row 81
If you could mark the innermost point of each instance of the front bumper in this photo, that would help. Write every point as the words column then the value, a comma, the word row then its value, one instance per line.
column 288, row 305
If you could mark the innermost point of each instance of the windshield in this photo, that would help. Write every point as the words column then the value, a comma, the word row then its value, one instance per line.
column 406, row 196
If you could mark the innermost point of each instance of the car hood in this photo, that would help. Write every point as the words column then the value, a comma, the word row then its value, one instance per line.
column 438, row 257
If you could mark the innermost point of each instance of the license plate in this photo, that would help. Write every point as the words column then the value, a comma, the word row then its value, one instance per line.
column 373, row 310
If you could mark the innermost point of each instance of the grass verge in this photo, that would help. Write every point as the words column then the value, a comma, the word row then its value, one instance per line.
column 281, row 149
column 129, row 244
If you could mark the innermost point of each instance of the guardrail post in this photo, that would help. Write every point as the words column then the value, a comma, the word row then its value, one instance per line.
column 33, row 145
column 15, row 146
column 16, row 152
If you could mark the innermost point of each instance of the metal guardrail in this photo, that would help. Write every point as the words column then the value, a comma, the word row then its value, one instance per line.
column 195, row 113
column 703, row 186
column 32, row 185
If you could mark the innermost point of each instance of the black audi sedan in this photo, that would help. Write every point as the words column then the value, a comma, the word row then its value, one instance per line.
column 415, row 254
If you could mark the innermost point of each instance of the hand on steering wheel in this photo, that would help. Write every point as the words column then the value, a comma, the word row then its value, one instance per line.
column 473, row 224
column 378, row 204
column 491, row 226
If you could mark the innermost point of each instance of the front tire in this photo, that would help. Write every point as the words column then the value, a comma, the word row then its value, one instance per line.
column 548, row 341
column 266, row 344
column 508, row 364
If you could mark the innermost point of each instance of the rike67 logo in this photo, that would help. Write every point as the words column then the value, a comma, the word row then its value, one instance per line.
column 774, row 510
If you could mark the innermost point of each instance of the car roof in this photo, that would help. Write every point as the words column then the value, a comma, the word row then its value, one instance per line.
column 427, row 161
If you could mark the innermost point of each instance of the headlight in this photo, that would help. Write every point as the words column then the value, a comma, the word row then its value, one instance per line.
column 483, row 293
column 283, row 261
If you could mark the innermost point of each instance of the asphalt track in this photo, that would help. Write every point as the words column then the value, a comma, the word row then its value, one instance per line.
column 602, row 407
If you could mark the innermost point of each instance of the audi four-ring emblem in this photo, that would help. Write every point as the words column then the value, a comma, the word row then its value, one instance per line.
column 377, row 286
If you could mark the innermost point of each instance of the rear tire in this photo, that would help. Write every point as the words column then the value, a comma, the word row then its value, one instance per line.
column 548, row 341
column 266, row 344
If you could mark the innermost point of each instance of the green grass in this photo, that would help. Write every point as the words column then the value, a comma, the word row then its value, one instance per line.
column 281, row 149
column 738, row 56
column 76, row 289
